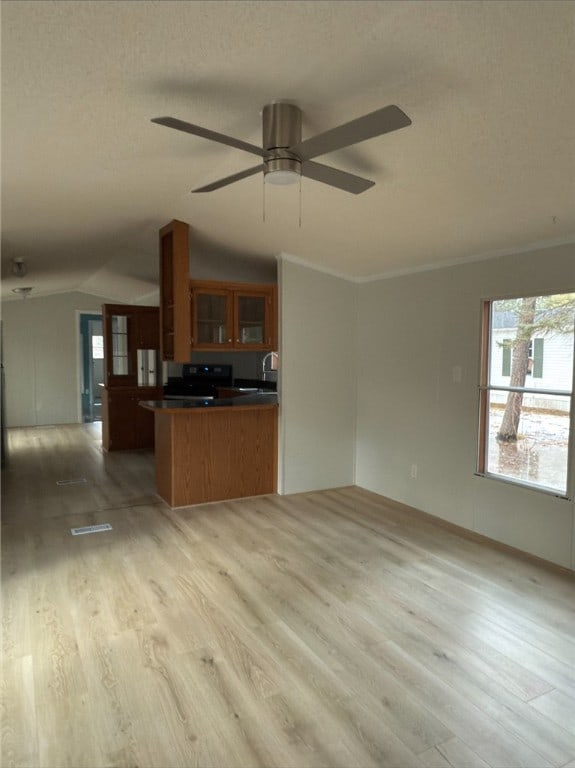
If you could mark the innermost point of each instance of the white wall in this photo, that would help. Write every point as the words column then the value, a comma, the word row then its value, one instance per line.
column 317, row 379
column 40, row 351
column 413, row 331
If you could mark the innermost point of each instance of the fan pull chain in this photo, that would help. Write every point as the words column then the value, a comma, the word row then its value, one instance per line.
column 300, row 201
column 264, row 201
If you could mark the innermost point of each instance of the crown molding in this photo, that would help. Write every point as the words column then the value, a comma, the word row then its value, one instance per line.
column 484, row 256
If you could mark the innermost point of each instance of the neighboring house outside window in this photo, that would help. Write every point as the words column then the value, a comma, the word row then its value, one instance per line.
column 535, row 361
column 526, row 413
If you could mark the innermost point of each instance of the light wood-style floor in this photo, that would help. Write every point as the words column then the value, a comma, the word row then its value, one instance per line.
column 321, row 629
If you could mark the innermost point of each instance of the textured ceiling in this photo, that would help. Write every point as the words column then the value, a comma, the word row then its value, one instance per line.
column 87, row 179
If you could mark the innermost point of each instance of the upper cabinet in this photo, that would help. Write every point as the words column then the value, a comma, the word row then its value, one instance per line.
column 175, row 331
column 253, row 318
column 233, row 316
column 212, row 316
column 131, row 343
column 206, row 314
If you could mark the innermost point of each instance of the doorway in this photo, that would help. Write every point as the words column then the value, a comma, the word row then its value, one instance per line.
column 92, row 368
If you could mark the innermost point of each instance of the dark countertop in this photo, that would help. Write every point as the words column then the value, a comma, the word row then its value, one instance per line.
column 255, row 383
column 218, row 402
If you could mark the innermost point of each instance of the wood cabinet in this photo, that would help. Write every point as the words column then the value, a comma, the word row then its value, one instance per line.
column 208, row 454
column 147, row 334
column 132, row 372
column 175, row 331
column 128, row 332
column 238, row 316
column 125, row 425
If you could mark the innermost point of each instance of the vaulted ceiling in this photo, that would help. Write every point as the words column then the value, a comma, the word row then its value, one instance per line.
column 488, row 164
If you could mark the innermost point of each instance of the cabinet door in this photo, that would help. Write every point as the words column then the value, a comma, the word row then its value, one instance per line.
column 149, row 369
column 129, row 331
column 144, row 419
column 212, row 318
column 119, row 351
column 148, row 327
column 121, row 427
column 175, row 331
column 126, row 425
column 253, row 316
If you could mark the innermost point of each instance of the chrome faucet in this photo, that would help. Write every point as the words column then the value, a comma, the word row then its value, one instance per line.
column 270, row 355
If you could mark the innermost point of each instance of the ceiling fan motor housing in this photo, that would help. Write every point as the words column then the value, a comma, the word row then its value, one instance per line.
column 281, row 129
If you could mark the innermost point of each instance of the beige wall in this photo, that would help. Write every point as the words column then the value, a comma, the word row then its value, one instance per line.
column 413, row 331
column 317, row 379
column 40, row 340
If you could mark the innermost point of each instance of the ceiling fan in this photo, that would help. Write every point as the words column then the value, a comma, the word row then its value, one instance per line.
column 286, row 158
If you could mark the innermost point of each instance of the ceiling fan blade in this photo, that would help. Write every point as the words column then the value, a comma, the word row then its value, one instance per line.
column 230, row 179
column 381, row 121
column 196, row 130
column 340, row 179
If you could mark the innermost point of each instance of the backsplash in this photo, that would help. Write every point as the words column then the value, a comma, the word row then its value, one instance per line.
column 246, row 365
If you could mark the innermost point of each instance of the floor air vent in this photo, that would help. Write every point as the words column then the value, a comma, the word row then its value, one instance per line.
column 75, row 481
column 91, row 529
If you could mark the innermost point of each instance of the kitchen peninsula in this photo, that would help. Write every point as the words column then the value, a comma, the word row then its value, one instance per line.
column 214, row 449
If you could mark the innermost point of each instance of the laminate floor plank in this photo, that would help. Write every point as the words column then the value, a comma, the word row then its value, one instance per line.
column 558, row 707
column 18, row 712
column 451, row 662
column 332, row 628
column 462, row 715
column 466, row 611
column 429, row 611
column 529, row 609
column 452, row 754
column 433, row 640
column 487, row 562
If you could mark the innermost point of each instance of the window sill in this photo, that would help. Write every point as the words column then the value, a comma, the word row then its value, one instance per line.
column 521, row 484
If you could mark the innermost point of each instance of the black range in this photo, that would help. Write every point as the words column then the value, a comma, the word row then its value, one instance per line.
column 199, row 380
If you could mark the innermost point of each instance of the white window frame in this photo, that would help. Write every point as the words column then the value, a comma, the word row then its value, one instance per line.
column 485, row 388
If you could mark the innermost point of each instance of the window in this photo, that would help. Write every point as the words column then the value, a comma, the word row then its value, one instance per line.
column 97, row 347
column 526, row 390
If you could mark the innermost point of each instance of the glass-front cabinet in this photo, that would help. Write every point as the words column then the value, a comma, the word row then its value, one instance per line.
column 131, row 345
column 132, row 372
column 233, row 316
column 253, row 319
column 120, row 348
column 212, row 318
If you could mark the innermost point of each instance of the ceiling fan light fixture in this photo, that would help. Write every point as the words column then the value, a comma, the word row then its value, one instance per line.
column 282, row 171
column 282, row 178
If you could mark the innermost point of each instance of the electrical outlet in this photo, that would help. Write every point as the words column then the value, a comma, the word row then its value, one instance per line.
column 413, row 472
